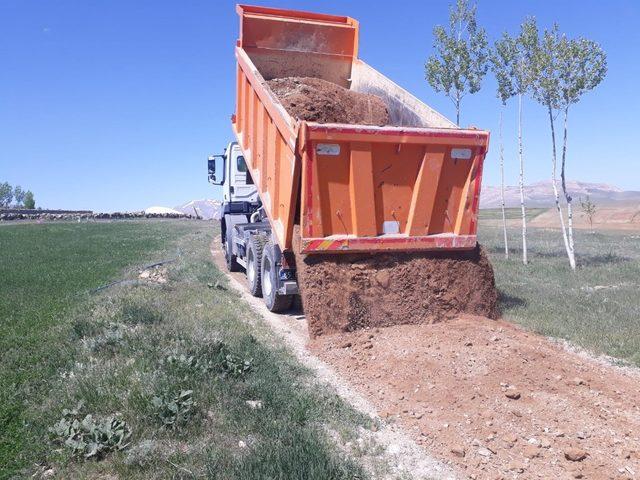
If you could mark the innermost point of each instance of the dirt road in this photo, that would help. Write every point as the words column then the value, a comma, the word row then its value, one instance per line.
column 490, row 399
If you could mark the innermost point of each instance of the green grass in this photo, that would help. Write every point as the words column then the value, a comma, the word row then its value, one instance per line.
column 547, row 297
column 117, row 350
column 509, row 213
column 45, row 271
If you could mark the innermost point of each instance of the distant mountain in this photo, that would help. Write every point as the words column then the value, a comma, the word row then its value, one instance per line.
column 540, row 194
column 206, row 208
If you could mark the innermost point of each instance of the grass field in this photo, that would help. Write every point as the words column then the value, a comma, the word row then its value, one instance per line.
column 176, row 362
column 509, row 213
column 596, row 307
column 45, row 271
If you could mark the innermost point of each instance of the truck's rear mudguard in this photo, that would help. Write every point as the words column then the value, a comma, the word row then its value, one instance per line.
column 389, row 188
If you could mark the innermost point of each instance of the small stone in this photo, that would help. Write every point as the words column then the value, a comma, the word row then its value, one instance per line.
column 578, row 381
column 485, row 452
column 574, row 454
column 254, row 404
column 544, row 443
column 516, row 466
column 242, row 444
column 468, row 344
column 458, row 451
column 512, row 393
column 531, row 451
column 383, row 279
column 346, row 345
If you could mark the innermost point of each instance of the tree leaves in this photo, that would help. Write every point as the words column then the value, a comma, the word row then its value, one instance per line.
column 513, row 61
column 460, row 61
column 565, row 69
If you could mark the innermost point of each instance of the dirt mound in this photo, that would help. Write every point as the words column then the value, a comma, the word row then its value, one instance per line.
column 494, row 400
column 347, row 292
column 316, row 100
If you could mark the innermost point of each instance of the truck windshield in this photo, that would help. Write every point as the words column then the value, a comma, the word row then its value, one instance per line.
column 241, row 166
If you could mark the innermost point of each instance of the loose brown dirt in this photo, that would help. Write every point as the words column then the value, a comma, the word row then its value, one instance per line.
column 316, row 100
column 347, row 292
column 494, row 400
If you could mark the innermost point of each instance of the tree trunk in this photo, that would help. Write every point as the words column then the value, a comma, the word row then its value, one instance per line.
column 457, row 111
column 572, row 261
column 564, row 186
column 522, row 205
column 504, row 217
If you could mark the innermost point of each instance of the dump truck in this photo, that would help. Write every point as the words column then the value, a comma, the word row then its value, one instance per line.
column 302, row 192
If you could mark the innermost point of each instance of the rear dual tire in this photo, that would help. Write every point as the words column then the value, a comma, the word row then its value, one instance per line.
column 274, row 301
column 254, row 264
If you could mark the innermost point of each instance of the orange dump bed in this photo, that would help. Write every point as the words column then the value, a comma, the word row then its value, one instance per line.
column 412, row 185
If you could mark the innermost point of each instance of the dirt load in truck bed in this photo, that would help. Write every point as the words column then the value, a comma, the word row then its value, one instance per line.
column 348, row 292
column 316, row 100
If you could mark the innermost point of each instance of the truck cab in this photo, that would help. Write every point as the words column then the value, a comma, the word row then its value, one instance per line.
column 246, row 234
column 239, row 188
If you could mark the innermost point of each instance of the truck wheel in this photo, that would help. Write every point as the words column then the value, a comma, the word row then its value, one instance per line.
column 232, row 264
column 254, row 264
column 274, row 301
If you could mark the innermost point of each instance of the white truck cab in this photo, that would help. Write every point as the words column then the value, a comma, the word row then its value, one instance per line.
column 237, row 185
column 246, row 232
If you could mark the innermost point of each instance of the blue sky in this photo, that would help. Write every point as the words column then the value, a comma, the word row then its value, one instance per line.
column 114, row 105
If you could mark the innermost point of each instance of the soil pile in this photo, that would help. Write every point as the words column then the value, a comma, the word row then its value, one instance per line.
column 316, row 100
column 347, row 292
column 494, row 400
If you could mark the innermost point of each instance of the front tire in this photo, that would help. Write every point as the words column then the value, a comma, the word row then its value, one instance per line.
column 230, row 258
column 254, row 264
column 274, row 301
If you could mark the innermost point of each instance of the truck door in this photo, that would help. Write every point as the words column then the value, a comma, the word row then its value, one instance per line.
column 242, row 187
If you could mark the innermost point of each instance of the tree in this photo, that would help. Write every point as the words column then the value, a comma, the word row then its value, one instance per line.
column 460, row 61
column 589, row 209
column 583, row 66
column 565, row 70
column 511, row 61
column 18, row 195
column 6, row 194
column 29, row 201
column 546, row 90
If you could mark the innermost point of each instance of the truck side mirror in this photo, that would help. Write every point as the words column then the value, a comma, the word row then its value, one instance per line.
column 215, row 163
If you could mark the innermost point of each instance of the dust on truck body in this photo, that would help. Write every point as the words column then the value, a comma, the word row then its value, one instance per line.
column 412, row 185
